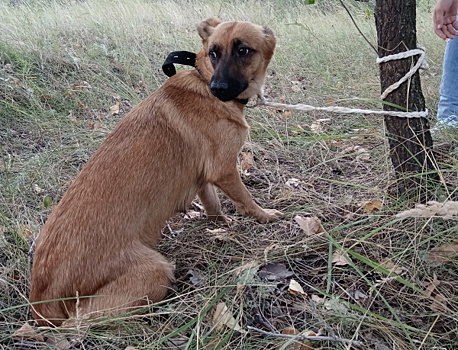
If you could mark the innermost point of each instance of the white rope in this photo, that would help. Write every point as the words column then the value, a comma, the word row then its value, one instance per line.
column 342, row 110
column 421, row 63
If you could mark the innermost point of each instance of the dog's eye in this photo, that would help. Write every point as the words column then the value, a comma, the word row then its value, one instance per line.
column 243, row 51
column 212, row 54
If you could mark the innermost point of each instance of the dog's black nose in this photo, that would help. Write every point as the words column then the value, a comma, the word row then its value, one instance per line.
column 219, row 88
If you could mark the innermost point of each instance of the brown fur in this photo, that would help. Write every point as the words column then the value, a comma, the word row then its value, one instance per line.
column 180, row 141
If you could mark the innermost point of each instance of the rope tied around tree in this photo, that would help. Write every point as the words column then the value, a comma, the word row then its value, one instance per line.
column 421, row 64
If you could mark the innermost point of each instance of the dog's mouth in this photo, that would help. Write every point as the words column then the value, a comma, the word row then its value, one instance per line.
column 227, row 89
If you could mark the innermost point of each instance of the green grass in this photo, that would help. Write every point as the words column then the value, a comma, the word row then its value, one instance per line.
column 63, row 64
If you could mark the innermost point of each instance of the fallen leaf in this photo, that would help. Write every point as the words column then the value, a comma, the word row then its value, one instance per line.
column 444, row 253
column 360, row 296
column 27, row 332
column 223, row 317
column 311, row 225
column 216, row 231
column 370, row 207
column 390, row 266
column 37, row 189
column 439, row 303
column 432, row 286
column 317, row 299
column 223, row 235
column 316, row 127
column 247, row 160
column 192, row 214
column 295, row 288
column 195, row 278
column 115, row 109
column 287, row 114
column 293, row 182
column 274, row 271
column 338, row 259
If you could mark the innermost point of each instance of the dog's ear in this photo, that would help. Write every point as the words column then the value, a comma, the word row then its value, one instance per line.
column 270, row 41
column 206, row 28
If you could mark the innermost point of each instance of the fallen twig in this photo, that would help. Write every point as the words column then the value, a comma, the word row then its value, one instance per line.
column 304, row 337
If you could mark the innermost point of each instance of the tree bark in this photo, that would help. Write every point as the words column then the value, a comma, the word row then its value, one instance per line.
column 409, row 138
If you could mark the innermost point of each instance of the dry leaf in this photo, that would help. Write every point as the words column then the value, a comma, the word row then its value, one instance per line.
column 338, row 259
column 372, row 206
column 295, row 288
column 444, row 253
column 317, row 299
column 274, row 272
column 37, row 189
column 360, row 296
column 222, row 317
column 446, row 210
column 216, row 231
column 192, row 214
column 293, row 183
column 430, row 287
column 247, row 160
column 439, row 303
column 390, row 266
column 287, row 114
column 316, row 127
column 28, row 332
column 311, row 225
column 115, row 109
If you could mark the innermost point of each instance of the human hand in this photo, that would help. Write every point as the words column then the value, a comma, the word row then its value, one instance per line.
column 445, row 24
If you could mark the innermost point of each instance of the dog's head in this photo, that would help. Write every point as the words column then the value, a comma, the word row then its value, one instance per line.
column 235, row 56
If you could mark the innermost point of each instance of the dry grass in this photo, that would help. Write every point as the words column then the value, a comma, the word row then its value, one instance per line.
column 47, row 133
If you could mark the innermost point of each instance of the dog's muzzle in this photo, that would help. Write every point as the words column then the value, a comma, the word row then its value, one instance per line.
column 227, row 89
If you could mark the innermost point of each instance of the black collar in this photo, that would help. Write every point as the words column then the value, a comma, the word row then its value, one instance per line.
column 182, row 57
column 243, row 101
column 189, row 59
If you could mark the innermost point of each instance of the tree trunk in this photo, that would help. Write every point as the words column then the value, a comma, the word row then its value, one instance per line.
column 409, row 138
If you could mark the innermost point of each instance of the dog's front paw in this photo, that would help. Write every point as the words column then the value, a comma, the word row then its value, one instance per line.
column 220, row 218
column 269, row 215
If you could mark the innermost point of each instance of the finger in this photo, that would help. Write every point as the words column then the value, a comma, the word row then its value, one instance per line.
column 449, row 31
column 439, row 31
column 455, row 26
column 438, row 20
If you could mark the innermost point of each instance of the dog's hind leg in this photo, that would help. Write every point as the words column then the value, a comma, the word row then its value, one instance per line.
column 146, row 280
column 211, row 203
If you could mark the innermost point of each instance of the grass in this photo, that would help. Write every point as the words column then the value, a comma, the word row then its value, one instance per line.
column 63, row 64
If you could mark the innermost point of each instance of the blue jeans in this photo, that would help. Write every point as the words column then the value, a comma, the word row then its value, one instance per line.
column 447, row 111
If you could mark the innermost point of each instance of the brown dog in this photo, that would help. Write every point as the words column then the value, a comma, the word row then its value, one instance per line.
column 97, row 249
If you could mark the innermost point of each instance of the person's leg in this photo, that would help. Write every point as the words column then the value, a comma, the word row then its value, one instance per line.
column 447, row 111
